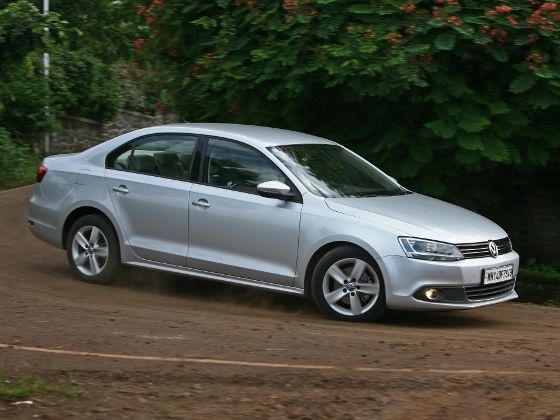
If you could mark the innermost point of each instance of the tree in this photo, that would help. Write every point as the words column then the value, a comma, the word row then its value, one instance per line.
column 429, row 90
column 23, row 88
column 84, row 41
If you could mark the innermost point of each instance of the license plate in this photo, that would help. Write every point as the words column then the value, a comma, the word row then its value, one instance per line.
column 498, row 274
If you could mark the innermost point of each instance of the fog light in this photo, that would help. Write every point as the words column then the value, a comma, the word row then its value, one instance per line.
column 433, row 294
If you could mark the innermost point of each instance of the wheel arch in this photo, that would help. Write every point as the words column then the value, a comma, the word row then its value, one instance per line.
column 80, row 212
column 319, row 253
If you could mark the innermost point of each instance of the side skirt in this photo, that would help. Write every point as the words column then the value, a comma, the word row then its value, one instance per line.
column 217, row 277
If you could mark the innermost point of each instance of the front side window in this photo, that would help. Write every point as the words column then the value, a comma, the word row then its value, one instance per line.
column 237, row 167
column 332, row 171
column 166, row 155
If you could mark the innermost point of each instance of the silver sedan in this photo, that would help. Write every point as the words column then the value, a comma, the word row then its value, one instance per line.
column 268, row 208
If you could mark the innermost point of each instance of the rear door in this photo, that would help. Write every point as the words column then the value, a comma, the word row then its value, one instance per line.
column 148, row 182
column 232, row 229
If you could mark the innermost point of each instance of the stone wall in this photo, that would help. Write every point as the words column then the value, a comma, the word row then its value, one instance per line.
column 130, row 120
column 77, row 134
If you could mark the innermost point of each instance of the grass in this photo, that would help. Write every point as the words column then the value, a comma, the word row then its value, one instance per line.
column 24, row 175
column 17, row 165
column 26, row 386
column 539, row 284
column 531, row 275
column 533, row 271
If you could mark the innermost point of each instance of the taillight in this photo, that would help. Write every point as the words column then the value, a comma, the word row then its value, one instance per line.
column 41, row 172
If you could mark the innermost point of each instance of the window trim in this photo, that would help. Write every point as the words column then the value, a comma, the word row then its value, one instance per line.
column 131, row 145
column 297, row 198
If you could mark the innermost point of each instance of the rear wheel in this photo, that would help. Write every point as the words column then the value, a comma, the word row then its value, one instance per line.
column 92, row 249
column 347, row 285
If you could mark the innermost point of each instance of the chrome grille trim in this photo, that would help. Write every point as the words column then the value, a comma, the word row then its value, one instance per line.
column 480, row 249
column 489, row 291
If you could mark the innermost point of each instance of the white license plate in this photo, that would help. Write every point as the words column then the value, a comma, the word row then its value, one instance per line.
column 498, row 274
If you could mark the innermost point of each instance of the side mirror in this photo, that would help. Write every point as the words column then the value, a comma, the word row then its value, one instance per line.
column 275, row 189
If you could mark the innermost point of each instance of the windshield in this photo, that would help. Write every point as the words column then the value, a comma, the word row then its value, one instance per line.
column 332, row 171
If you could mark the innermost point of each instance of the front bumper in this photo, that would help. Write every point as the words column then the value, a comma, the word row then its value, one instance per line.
column 460, row 282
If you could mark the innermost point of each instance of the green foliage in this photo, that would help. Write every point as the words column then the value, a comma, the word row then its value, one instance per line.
column 29, row 385
column 23, row 89
column 445, row 41
column 83, row 85
column 551, row 268
column 474, row 84
column 83, row 41
column 104, row 27
column 543, row 276
column 17, row 165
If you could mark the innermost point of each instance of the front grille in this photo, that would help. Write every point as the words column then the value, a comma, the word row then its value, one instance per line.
column 490, row 291
column 480, row 249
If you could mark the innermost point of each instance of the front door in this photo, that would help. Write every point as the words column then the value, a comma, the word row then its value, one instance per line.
column 233, row 230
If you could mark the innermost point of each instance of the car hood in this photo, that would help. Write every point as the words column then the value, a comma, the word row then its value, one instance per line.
column 420, row 216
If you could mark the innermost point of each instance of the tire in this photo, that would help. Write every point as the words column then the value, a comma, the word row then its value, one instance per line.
column 347, row 285
column 92, row 249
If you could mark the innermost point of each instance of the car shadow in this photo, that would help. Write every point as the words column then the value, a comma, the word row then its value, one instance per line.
column 212, row 291
column 474, row 318
column 218, row 292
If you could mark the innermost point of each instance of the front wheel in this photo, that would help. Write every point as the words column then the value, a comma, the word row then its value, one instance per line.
column 347, row 285
column 92, row 249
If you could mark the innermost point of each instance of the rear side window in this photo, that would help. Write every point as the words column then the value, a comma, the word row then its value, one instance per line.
column 165, row 155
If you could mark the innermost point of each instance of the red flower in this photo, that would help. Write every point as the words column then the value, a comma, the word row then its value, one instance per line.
column 408, row 8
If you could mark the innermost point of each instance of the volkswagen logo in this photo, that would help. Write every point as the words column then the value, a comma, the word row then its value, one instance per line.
column 493, row 248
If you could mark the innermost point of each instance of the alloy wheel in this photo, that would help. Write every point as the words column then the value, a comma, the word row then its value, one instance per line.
column 351, row 287
column 90, row 250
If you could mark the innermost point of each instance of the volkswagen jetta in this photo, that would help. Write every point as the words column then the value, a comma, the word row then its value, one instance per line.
column 269, row 208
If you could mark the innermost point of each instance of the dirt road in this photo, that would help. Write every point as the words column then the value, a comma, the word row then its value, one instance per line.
column 155, row 346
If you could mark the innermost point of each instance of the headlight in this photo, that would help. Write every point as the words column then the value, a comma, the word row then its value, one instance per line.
column 424, row 249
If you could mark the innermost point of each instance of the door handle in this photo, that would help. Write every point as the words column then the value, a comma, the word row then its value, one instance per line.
column 201, row 203
column 121, row 189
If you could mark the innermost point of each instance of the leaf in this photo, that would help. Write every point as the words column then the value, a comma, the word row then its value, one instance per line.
column 441, row 129
column 205, row 22
column 499, row 54
column 422, row 153
column 495, row 150
column 547, row 73
column 522, row 83
column 542, row 99
column 498, row 108
column 473, row 122
column 410, row 168
column 514, row 155
column 537, row 155
column 481, row 39
column 361, row 9
column 464, row 30
column 445, row 42
column 467, row 157
column 553, row 139
column 438, row 95
column 459, row 89
column 470, row 141
column 521, row 40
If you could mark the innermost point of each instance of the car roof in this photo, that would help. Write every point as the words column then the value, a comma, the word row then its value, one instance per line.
column 250, row 134
column 256, row 136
